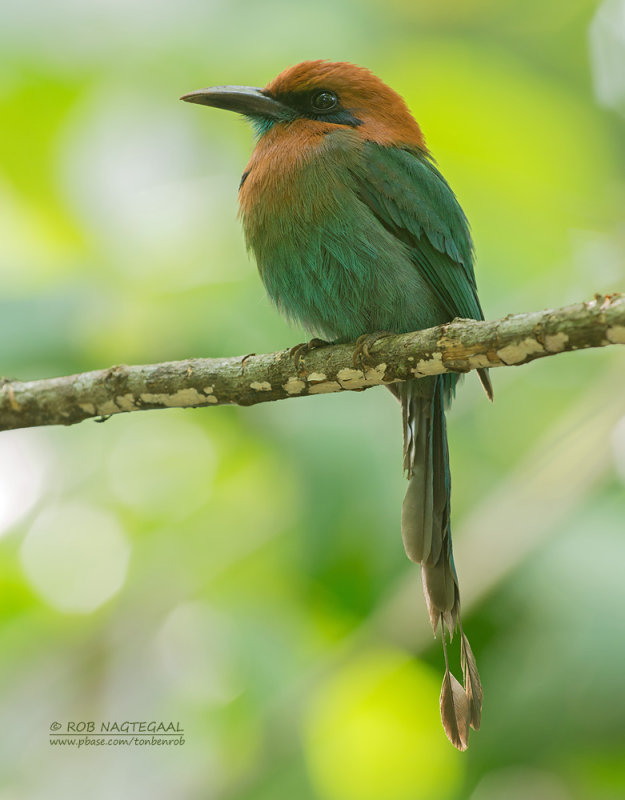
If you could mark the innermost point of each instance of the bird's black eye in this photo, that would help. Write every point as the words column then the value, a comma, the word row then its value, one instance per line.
column 324, row 100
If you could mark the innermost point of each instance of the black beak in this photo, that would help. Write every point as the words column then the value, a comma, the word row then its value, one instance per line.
column 243, row 99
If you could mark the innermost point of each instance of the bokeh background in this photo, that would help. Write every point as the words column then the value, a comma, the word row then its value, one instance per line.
column 240, row 571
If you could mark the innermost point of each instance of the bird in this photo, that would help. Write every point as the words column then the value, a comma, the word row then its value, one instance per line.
column 356, row 234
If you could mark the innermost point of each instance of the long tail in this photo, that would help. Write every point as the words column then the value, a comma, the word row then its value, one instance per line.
column 426, row 534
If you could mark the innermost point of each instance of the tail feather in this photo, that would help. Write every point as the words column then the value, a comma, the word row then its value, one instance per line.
column 426, row 530
column 440, row 587
column 418, row 507
column 426, row 509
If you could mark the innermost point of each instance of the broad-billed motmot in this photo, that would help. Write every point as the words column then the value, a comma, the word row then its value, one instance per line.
column 355, row 231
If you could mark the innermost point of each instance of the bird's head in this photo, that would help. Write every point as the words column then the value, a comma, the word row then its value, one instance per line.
column 323, row 95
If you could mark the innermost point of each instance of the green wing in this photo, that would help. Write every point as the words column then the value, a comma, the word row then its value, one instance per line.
column 410, row 197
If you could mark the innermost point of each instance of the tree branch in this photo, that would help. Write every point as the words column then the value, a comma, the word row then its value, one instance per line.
column 459, row 346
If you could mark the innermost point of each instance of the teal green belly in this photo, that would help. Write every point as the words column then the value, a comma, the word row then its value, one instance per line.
column 340, row 280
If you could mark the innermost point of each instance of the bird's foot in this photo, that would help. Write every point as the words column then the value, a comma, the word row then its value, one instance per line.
column 298, row 352
column 362, row 357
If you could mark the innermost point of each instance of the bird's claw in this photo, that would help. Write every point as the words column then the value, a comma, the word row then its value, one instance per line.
column 300, row 350
column 362, row 357
column 244, row 359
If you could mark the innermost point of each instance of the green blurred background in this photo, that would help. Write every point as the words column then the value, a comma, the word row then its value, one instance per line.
column 241, row 570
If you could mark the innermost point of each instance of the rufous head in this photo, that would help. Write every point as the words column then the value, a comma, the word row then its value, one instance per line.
column 323, row 95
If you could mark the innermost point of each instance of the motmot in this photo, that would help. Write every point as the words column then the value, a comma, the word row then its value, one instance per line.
column 356, row 234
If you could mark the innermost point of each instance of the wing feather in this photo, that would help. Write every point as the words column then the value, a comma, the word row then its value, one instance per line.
column 411, row 199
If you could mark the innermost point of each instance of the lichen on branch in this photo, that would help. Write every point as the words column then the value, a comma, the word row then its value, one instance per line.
column 459, row 346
